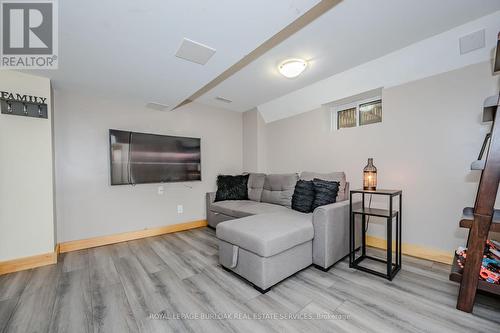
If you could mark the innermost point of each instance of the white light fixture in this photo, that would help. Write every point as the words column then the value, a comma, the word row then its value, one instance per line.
column 291, row 68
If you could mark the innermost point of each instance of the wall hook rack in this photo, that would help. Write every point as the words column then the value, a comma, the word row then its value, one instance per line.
column 24, row 108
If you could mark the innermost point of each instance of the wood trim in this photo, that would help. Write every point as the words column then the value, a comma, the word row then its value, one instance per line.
column 15, row 265
column 127, row 236
column 319, row 9
column 21, row 264
column 413, row 250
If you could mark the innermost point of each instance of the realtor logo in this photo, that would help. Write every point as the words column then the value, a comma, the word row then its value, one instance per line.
column 29, row 34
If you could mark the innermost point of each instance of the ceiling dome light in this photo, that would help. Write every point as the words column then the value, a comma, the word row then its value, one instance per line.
column 291, row 68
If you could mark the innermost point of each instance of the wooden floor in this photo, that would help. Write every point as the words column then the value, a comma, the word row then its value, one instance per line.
column 138, row 285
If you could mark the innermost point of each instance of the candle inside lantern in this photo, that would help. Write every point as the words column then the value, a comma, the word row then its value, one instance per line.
column 370, row 176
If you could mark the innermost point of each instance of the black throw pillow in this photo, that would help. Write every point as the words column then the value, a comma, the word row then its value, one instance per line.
column 232, row 188
column 303, row 196
column 325, row 192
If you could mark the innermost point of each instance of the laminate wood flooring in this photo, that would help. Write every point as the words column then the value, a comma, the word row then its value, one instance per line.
column 173, row 283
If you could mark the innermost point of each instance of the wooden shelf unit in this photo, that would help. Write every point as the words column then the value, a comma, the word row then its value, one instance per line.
column 495, row 226
column 482, row 218
column 456, row 275
column 468, row 218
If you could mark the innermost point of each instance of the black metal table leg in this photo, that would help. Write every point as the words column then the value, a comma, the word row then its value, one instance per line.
column 389, row 241
column 389, row 248
column 351, row 231
column 363, row 235
column 352, row 255
column 400, row 216
column 396, row 250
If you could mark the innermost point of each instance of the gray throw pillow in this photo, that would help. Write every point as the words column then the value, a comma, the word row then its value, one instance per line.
column 303, row 196
column 325, row 192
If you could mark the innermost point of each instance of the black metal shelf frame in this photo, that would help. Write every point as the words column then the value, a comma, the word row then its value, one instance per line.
column 389, row 215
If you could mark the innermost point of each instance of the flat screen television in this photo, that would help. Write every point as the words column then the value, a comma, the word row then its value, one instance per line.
column 496, row 61
column 138, row 158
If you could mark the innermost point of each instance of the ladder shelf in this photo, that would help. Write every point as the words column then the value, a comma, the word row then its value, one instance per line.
column 482, row 218
column 456, row 275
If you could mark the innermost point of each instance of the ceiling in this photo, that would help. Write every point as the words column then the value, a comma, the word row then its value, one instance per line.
column 127, row 47
column 352, row 33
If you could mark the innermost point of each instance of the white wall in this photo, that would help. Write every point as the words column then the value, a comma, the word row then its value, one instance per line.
column 26, row 182
column 254, row 142
column 431, row 132
column 250, row 136
column 87, row 206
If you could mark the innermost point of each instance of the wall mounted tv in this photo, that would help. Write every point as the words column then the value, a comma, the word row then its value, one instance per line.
column 496, row 61
column 138, row 158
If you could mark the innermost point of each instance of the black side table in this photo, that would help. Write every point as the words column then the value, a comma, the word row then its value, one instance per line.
column 389, row 215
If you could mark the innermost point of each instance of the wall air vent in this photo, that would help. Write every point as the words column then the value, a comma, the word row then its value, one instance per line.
column 157, row 106
column 194, row 52
column 472, row 42
column 224, row 100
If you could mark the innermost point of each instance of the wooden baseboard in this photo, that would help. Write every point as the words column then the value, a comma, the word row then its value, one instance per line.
column 414, row 250
column 127, row 236
column 22, row 264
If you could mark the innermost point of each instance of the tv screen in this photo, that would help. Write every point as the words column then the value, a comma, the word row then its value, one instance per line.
column 496, row 65
column 138, row 158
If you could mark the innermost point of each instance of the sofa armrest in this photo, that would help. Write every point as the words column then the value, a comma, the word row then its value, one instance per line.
column 210, row 197
column 209, row 200
column 331, row 232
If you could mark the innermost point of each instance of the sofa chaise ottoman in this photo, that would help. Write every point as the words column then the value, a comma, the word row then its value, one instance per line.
column 266, row 248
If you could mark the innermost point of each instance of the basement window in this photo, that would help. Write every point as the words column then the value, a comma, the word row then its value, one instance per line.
column 356, row 114
column 370, row 113
column 347, row 118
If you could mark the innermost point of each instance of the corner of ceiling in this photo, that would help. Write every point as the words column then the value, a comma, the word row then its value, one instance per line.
column 431, row 56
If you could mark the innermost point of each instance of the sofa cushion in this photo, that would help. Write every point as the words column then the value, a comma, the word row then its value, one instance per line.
column 242, row 208
column 278, row 189
column 231, row 187
column 303, row 196
column 333, row 176
column 325, row 192
column 255, row 185
column 268, row 234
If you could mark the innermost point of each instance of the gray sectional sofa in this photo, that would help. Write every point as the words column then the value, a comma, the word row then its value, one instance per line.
column 263, row 240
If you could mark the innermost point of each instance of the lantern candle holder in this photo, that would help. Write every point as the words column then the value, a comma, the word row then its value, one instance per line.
column 370, row 176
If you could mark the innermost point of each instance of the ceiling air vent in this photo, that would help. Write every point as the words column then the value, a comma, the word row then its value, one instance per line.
column 157, row 106
column 194, row 52
column 224, row 100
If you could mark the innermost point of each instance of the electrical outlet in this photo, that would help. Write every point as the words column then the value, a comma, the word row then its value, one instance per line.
column 180, row 209
column 161, row 190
